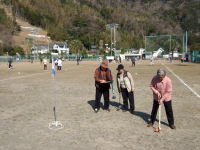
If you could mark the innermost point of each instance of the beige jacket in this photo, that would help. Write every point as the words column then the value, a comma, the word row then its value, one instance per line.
column 125, row 80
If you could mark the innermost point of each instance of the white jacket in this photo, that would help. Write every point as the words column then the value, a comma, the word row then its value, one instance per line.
column 128, row 81
column 59, row 62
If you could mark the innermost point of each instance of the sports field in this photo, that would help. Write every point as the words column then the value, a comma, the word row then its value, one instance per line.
column 27, row 98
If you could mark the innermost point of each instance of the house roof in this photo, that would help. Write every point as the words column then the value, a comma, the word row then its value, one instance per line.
column 60, row 44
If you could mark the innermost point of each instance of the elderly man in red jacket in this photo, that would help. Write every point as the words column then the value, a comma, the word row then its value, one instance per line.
column 161, row 86
column 103, row 78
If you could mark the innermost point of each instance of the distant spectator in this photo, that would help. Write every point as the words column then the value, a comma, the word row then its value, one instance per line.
column 40, row 60
column 31, row 60
column 133, row 61
column 78, row 60
column 17, row 59
column 56, row 62
column 10, row 63
column 45, row 63
column 50, row 60
column 181, row 60
column 59, row 64
column 170, row 59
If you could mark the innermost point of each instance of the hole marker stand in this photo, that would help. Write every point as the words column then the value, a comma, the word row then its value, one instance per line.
column 55, row 125
column 113, row 92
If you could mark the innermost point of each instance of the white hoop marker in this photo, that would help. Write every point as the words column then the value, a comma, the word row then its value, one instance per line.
column 181, row 80
column 56, row 125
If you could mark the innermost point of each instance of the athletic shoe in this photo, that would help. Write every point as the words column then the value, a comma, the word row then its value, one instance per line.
column 132, row 111
column 96, row 110
column 124, row 109
column 150, row 125
column 172, row 126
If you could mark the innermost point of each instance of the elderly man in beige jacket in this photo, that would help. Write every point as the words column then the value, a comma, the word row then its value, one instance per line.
column 125, row 85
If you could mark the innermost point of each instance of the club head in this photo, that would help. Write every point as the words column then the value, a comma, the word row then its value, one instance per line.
column 157, row 130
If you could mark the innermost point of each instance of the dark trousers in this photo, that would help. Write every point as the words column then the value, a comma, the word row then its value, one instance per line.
column 128, row 95
column 168, row 110
column 133, row 63
column 99, row 92
column 59, row 67
column 45, row 67
column 10, row 65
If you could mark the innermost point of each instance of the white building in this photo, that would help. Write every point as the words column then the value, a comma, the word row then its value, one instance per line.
column 175, row 54
column 158, row 52
column 39, row 49
column 132, row 53
column 61, row 48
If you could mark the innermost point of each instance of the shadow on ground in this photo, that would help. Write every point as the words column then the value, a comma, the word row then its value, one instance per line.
column 142, row 115
column 112, row 103
column 92, row 104
column 182, row 65
column 146, row 117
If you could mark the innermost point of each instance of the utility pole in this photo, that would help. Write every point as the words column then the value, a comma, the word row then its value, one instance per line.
column 113, row 28
column 186, row 42
column 170, row 46
column 183, row 45
column 111, row 42
column 48, row 43
column 114, row 38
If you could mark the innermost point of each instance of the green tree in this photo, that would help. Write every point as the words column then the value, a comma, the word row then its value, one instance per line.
column 76, row 47
column 14, row 50
column 19, row 50
column 1, row 49
column 195, row 46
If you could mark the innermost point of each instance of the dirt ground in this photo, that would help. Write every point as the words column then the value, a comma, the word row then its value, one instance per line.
column 26, row 106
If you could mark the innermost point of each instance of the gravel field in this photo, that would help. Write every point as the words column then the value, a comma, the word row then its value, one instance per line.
column 27, row 98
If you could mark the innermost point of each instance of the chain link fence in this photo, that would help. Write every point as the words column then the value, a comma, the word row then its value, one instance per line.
column 40, row 57
column 195, row 56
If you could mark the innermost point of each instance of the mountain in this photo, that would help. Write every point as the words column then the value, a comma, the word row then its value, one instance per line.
column 86, row 20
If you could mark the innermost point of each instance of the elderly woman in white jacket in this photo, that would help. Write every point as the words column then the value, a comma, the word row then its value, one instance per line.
column 59, row 64
column 125, row 85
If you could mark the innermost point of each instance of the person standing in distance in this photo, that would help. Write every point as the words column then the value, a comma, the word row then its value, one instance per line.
column 10, row 63
column 59, row 64
column 45, row 63
column 133, row 61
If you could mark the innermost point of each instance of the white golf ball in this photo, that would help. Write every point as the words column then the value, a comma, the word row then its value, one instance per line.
column 19, row 73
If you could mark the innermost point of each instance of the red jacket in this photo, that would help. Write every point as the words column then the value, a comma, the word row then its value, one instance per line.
column 102, row 75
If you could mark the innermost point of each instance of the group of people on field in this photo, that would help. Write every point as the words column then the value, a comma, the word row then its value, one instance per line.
column 160, row 85
column 57, row 62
